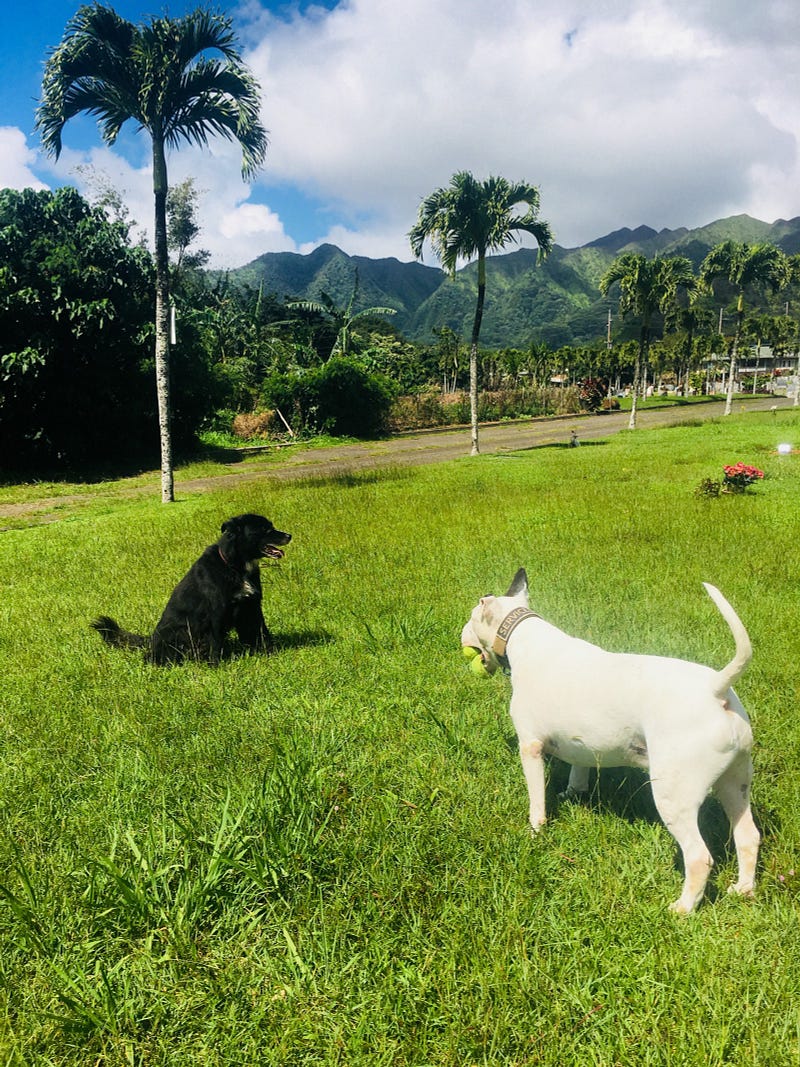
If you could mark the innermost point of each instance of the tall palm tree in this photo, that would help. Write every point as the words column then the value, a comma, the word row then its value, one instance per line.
column 744, row 266
column 341, row 319
column 470, row 218
column 646, row 286
column 161, row 75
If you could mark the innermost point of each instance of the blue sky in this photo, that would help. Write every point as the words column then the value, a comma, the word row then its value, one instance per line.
column 623, row 113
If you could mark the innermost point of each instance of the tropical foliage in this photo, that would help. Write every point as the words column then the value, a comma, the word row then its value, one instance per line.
column 645, row 288
column 162, row 76
column 243, row 348
column 469, row 219
column 342, row 319
column 743, row 266
column 75, row 335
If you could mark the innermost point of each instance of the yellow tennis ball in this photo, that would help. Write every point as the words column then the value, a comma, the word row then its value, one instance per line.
column 478, row 667
column 469, row 652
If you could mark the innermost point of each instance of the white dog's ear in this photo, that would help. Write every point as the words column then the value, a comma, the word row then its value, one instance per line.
column 519, row 584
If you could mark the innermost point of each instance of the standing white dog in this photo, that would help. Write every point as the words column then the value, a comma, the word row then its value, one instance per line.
column 681, row 721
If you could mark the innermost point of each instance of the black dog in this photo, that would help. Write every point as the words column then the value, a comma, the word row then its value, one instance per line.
column 221, row 592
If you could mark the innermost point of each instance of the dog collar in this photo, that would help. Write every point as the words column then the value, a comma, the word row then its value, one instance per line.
column 506, row 628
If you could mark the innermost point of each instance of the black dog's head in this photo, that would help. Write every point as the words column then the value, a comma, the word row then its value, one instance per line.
column 247, row 538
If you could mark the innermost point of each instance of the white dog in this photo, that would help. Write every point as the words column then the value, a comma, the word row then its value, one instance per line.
column 681, row 721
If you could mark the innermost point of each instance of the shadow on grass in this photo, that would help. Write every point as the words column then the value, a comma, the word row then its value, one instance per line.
column 547, row 446
column 353, row 478
column 219, row 454
column 625, row 792
column 302, row 639
column 281, row 642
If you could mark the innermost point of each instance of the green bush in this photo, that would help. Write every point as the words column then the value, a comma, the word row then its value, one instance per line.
column 341, row 397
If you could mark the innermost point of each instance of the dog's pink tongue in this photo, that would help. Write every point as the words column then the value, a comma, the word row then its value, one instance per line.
column 274, row 553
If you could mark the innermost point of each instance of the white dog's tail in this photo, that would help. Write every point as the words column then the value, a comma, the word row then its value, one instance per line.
column 744, row 650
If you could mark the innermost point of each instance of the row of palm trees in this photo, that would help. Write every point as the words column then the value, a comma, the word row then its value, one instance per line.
column 183, row 80
column 650, row 286
column 470, row 218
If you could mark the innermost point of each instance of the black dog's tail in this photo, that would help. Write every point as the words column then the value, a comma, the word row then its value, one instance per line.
column 113, row 634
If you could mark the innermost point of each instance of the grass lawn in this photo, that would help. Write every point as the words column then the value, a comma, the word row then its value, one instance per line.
column 322, row 857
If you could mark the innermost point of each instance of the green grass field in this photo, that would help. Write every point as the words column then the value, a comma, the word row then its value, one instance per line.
column 322, row 857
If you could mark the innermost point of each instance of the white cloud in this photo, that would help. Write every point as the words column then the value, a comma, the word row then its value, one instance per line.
column 663, row 112
column 233, row 230
column 17, row 161
column 249, row 226
column 627, row 112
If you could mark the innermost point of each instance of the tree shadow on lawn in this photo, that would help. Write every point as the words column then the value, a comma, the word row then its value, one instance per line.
column 550, row 446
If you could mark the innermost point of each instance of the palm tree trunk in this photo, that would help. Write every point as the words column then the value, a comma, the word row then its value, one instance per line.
column 734, row 354
column 473, row 354
column 162, row 319
column 637, row 376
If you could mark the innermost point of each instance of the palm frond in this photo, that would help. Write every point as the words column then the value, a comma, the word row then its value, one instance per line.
column 158, row 74
column 469, row 218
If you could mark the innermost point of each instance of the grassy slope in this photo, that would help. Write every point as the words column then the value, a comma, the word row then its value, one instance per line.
column 322, row 857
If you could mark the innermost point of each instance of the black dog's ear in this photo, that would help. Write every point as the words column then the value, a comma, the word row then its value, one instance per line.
column 519, row 583
column 231, row 524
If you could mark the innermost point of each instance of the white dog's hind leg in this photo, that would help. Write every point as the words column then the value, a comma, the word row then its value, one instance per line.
column 530, row 753
column 733, row 792
column 578, row 780
column 679, row 813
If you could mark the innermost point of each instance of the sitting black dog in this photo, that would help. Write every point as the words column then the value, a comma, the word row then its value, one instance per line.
column 221, row 592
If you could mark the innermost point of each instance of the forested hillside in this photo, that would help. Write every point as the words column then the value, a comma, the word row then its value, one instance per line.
column 557, row 301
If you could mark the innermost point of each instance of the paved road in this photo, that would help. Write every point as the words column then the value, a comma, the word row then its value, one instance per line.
column 411, row 450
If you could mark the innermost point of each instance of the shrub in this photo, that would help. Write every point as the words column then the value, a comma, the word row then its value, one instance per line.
column 592, row 392
column 341, row 397
column 709, row 488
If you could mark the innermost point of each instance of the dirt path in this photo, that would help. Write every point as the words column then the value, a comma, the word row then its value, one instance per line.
column 410, row 450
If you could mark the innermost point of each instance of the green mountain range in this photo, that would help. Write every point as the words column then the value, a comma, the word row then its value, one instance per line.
column 557, row 301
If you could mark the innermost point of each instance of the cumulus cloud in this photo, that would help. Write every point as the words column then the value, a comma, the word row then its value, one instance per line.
column 233, row 229
column 627, row 112
column 17, row 161
column 663, row 112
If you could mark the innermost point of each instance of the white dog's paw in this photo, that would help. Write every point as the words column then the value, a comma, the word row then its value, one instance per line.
column 742, row 890
column 571, row 793
column 678, row 907
column 535, row 824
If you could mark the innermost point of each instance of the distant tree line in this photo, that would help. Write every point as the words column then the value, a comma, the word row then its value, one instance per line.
column 76, row 340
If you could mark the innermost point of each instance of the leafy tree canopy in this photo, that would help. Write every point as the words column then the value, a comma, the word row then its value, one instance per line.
column 75, row 307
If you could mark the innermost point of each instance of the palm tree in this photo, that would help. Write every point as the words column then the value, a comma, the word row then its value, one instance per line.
column 646, row 286
column 744, row 266
column 160, row 75
column 469, row 218
column 341, row 319
column 690, row 321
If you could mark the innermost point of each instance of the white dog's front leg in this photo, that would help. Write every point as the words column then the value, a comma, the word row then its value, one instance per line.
column 533, row 767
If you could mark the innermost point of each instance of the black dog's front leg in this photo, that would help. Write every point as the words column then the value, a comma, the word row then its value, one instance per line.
column 248, row 621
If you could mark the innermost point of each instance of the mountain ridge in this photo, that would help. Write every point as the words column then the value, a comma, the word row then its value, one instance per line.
column 556, row 301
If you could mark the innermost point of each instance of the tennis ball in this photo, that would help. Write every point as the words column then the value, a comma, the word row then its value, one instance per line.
column 469, row 652
column 478, row 667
